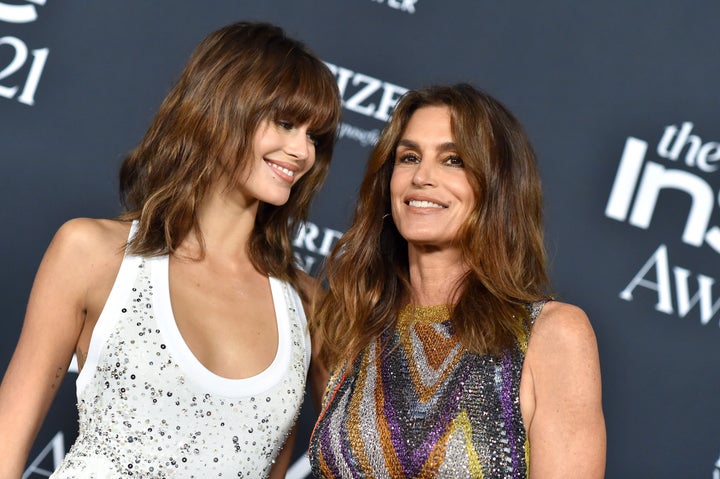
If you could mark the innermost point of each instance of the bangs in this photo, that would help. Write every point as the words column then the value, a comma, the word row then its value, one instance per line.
column 307, row 94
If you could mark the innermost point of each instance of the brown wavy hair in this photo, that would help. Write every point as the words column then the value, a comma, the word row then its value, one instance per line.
column 501, row 241
column 236, row 77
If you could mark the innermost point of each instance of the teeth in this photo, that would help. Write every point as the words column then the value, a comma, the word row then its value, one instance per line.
column 424, row 204
column 284, row 170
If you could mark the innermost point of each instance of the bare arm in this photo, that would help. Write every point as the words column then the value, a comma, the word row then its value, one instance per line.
column 53, row 322
column 563, row 409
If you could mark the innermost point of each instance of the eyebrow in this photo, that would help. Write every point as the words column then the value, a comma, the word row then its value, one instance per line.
column 443, row 147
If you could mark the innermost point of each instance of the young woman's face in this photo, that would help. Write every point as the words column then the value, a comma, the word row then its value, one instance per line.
column 431, row 196
column 282, row 153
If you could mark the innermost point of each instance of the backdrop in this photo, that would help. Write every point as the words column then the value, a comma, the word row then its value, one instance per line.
column 620, row 99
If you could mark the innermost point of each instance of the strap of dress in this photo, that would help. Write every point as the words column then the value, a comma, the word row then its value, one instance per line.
column 535, row 309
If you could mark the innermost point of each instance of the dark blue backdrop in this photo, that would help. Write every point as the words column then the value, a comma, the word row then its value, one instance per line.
column 619, row 98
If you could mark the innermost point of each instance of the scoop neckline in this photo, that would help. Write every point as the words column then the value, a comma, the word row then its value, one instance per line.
column 192, row 366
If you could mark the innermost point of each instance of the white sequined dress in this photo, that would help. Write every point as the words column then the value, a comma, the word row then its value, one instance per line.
column 149, row 409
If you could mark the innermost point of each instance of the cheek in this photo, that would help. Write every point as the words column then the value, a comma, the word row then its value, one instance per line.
column 395, row 187
column 394, row 198
column 308, row 165
column 262, row 136
column 310, row 161
column 464, row 190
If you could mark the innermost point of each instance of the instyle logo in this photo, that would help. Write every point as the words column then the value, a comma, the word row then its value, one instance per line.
column 402, row 5
column 634, row 197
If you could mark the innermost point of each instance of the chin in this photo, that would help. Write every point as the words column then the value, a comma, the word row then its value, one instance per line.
column 277, row 200
column 433, row 241
column 423, row 237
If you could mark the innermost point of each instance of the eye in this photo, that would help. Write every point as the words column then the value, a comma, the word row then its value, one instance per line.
column 407, row 158
column 314, row 139
column 454, row 161
column 287, row 125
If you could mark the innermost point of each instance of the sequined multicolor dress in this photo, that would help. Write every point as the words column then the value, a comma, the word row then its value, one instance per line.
column 149, row 409
column 427, row 409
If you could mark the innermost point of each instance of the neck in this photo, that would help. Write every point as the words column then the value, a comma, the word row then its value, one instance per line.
column 435, row 275
column 226, row 224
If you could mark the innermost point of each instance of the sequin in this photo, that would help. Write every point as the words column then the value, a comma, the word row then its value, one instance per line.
column 144, row 414
column 425, row 407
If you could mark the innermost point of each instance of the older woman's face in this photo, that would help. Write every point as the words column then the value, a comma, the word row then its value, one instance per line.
column 431, row 196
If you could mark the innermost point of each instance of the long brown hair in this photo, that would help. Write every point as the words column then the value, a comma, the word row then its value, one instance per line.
column 501, row 241
column 236, row 77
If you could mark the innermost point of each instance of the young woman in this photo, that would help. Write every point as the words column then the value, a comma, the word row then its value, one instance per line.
column 448, row 358
column 186, row 314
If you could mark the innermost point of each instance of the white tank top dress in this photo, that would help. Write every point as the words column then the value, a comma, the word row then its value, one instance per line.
column 149, row 409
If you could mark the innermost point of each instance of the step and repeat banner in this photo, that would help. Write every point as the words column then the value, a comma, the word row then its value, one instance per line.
column 621, row 100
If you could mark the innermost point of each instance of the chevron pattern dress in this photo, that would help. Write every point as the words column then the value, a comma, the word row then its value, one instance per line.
column 425, row 408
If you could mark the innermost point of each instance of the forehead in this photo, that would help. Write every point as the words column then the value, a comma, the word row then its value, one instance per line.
column 428, row 126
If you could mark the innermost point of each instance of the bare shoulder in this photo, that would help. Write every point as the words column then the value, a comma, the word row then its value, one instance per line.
column 562, row 325
column 90, row 245
column 562, row 339
column 92, row 234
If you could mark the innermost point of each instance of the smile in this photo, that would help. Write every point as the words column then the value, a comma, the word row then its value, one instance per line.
column 288, row 172
column 424, row 204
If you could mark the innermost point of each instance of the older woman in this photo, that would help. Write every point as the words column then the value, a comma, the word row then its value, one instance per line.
column 448, row 356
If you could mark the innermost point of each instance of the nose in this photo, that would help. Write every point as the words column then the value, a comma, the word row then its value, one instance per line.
column 298, row 145
column 424, row 174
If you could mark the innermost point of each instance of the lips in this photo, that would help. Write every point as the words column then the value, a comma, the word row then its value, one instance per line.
column 283, row 172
